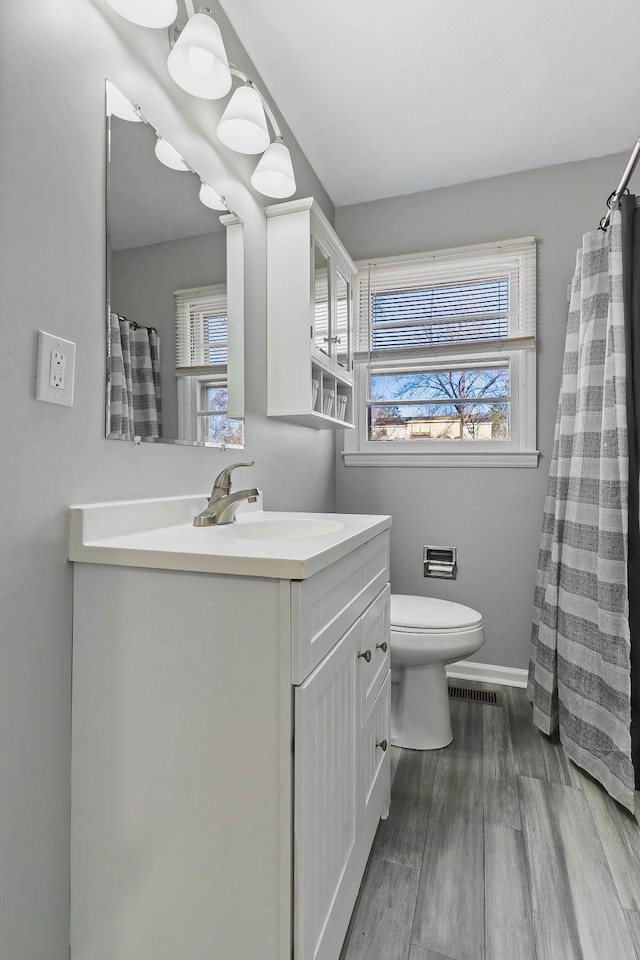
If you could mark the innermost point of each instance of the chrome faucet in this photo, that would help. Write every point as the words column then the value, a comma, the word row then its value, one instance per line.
column 222, row 503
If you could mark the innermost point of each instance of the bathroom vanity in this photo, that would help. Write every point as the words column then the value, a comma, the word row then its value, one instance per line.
column 230, row 727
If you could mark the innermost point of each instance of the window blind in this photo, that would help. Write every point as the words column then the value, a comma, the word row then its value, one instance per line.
column 201, row 329
column 451, row 301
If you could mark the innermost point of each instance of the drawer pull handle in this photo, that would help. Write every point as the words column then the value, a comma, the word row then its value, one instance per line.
column 382, row 646
column 382, row 744
column 366, row 655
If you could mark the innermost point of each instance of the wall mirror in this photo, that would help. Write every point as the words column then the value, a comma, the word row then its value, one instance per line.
column 175, row 289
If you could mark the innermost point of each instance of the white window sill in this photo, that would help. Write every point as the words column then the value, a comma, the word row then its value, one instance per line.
column 453, row 458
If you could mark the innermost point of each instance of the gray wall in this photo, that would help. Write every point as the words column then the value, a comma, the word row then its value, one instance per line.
column 54, row 58
column 492, row 515
column 53, row 62
column 142, row 283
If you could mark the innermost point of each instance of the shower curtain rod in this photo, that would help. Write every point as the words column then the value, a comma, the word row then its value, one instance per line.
column 134, row 324
column 622, row 186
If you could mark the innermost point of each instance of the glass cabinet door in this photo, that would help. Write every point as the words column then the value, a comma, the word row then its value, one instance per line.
column 322, row 319
column 343, row 322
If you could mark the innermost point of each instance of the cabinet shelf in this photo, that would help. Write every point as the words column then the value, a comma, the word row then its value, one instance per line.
column 309, row 309
column 315, row 419
column 343, row 376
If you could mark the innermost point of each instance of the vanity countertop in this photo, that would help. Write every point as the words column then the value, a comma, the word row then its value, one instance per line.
column 159, row 533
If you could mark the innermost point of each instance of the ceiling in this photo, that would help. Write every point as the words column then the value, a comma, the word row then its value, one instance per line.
column 390, row 98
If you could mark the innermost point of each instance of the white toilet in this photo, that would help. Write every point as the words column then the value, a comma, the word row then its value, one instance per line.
column 426, row 634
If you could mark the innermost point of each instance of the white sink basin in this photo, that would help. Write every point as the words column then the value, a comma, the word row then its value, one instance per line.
column 285, row 529
column 159, row 534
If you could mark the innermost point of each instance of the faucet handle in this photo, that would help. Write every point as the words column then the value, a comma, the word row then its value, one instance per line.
column 223, row 480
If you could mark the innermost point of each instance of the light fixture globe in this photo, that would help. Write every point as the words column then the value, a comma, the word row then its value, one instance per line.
column 147, row 13
column 211, row 198
column 243, row 125
column 198, row 62
column 273, row 177
column 168, row 155
column 119, row 106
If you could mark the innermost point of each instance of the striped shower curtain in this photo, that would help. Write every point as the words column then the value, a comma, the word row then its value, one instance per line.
column 579, row 670
column 135, row 407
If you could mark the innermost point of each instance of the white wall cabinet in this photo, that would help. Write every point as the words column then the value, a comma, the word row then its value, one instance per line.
column 309, row 318
column 229, row 762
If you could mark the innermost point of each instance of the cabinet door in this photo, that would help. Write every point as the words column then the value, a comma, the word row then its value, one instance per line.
column 326, row 813
column 321, row 296
column 374, row 769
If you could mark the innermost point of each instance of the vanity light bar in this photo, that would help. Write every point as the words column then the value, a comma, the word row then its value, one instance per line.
column 198, row 63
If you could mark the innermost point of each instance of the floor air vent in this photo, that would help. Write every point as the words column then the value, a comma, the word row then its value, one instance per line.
column 476, row 696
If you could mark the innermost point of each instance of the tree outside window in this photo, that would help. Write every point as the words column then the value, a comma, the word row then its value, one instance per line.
column 459, row 404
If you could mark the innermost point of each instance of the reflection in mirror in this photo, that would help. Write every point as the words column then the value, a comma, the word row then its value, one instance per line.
column 343, row 321
column 322, row 326
column 174, row 294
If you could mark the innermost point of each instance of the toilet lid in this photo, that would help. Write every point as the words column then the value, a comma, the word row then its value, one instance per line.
column 429, row 613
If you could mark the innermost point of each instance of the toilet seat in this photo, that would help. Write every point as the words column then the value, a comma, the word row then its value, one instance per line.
column 410, row 614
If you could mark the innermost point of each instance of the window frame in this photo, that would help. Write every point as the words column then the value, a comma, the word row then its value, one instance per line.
column 189, row 403
column 520, row 449
column 193, row 306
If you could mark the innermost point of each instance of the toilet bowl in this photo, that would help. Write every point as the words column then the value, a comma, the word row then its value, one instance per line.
column 426, row 634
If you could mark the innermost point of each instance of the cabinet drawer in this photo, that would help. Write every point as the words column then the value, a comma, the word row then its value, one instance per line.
column 374, row 774
column 327, row 604
column 373, row 640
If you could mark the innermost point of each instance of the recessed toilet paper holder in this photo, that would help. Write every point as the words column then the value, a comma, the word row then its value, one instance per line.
column 440, row 562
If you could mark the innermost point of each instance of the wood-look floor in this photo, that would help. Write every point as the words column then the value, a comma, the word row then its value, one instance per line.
column 498, row 848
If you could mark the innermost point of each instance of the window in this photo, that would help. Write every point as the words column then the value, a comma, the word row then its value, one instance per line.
column 202, row 412
column 445, row 361
column 201, row 368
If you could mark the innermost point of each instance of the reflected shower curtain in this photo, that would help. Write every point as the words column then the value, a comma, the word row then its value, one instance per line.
column 579, row 670
column 135, row 407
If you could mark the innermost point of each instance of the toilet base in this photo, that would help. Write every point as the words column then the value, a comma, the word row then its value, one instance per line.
column 420, row 716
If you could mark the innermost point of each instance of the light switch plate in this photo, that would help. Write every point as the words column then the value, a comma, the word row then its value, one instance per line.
column 55, row 369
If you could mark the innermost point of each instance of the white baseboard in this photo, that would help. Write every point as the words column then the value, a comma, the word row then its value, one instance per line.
column 471, row 670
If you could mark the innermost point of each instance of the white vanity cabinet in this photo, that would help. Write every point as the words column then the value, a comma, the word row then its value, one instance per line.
column 309, row 318
column 229, row 761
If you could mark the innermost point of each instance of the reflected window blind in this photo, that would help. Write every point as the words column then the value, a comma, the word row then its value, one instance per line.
column 201, row 329
column 321, row 304
column 453, row 301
